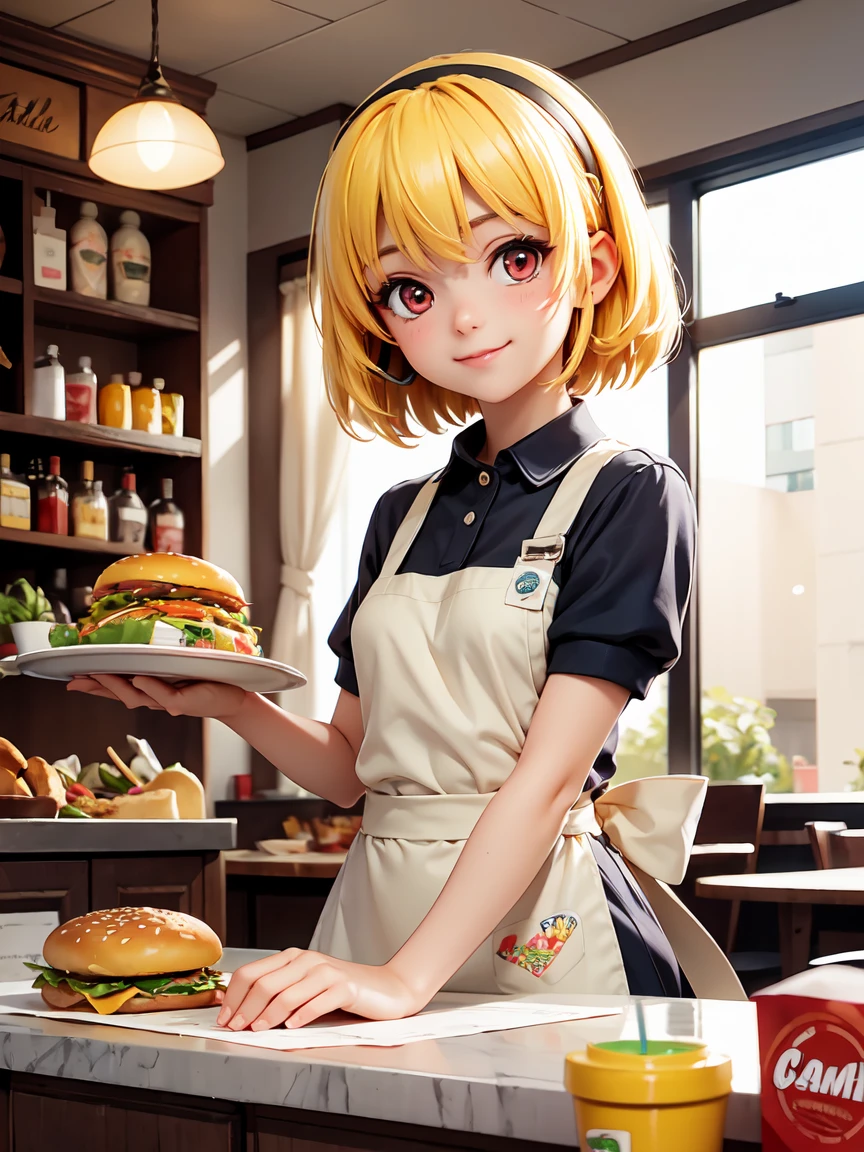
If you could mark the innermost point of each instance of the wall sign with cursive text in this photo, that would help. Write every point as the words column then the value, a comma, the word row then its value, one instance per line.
column 39, row 112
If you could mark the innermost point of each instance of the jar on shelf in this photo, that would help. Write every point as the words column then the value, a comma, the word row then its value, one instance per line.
column 146, row 405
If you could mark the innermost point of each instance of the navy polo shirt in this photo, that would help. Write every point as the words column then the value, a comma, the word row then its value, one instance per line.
column 624, row 579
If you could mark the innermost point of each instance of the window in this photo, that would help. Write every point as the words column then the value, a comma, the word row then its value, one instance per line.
column 782, row 233
column 781, row 435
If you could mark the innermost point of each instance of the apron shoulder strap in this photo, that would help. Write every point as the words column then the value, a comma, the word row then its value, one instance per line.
column 409, row 527
column 571, row 492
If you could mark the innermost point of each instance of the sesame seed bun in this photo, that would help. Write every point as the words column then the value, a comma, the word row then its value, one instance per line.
column 132, row 942
column 174, row 569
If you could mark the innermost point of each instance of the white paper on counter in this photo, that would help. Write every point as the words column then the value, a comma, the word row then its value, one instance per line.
column 433, row 1023
column 22, row 935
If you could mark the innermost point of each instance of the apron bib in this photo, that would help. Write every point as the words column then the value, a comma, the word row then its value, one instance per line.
column 450, row 670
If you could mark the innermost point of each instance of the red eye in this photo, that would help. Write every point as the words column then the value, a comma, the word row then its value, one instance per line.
column 409, row 300
column 517, row 264
column 521, row 263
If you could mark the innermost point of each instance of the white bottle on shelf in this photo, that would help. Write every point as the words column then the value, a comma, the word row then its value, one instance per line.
column 130, row 262
column 49, row 250
column 88, row 254
column 48, row 396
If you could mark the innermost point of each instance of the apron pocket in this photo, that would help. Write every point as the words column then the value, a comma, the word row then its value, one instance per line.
column 531, row 955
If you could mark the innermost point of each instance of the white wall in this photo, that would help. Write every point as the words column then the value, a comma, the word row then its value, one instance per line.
column 283, row 180
column 227, row 447
column 786, row 64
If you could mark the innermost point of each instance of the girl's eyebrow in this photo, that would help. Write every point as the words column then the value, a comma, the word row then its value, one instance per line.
column 472, row 224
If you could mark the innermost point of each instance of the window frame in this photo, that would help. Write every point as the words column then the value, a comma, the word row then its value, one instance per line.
column 680, row 183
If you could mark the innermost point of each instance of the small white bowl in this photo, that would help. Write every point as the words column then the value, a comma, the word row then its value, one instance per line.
column 31, row 635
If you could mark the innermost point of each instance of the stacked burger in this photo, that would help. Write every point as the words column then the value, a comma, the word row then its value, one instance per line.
column 165, row 598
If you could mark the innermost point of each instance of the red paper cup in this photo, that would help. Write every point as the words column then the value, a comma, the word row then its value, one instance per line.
column 242, row 786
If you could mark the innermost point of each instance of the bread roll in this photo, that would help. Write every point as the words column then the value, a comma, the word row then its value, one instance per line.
column 11, row 758
column 44, row 780
column 188, row 789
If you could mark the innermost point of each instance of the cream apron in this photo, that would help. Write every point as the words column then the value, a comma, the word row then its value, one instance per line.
column 450, row 669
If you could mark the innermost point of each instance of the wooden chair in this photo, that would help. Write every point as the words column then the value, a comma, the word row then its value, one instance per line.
column 727, row 842
column 822, row 834
column 836, row 846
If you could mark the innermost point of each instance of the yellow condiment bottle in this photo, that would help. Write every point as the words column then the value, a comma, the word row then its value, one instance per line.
column 172, row 411
column 146, row 406
column 115, row 403
column 673, row 1096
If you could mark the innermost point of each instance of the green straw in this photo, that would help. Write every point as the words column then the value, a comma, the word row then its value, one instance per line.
column 640, row 1024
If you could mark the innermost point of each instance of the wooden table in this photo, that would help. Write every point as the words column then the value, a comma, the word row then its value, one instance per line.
column 274, row 902
column 794, row 893
column 321, row 865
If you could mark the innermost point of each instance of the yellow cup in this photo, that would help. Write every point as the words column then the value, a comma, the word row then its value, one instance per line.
column 674, row 1096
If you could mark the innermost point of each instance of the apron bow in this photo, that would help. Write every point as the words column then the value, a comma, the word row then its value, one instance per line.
column 652, row 822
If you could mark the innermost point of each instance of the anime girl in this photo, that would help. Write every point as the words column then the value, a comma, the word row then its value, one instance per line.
column 481, row 246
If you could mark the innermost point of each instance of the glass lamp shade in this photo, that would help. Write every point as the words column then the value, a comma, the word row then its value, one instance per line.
column 156, row 144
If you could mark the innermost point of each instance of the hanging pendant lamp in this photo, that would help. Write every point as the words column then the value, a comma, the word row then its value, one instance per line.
column 155, row 142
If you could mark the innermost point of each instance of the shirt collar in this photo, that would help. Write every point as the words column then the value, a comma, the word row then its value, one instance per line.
column 540, row 456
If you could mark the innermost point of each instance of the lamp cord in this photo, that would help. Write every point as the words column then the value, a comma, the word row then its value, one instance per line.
column 154, row 33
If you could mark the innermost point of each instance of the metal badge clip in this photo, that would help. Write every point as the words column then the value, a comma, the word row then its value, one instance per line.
column 542, row 548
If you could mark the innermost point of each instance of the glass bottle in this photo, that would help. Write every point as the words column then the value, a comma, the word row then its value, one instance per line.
column 54, row 501
column 14, row 498
column 127, row 514
column 167, row 523
column 89, row 506
column 34, row 477
column 57, row 593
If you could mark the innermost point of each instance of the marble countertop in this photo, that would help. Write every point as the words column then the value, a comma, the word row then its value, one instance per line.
column 497, row 1083
column 95, row 837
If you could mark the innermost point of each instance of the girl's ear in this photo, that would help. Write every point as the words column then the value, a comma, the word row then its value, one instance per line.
column 605, row 264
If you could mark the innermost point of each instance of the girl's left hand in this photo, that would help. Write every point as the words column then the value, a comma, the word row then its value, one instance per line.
column 295, row 987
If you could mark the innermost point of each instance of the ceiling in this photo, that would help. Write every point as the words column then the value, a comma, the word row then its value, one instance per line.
column 273, row 61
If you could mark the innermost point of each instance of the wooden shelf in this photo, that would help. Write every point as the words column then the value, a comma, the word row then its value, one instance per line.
column 11, row 287
column 107, row 317
column 99, row 436
column 63, row 543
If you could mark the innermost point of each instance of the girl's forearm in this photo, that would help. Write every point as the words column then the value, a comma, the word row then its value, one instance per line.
column 313, row 754
column 501, row 857
column 515, row 834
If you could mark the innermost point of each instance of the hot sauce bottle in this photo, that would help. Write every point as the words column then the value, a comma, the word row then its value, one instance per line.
column 54, row 501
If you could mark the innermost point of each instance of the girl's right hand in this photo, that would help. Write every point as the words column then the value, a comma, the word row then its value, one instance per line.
column 199, row 698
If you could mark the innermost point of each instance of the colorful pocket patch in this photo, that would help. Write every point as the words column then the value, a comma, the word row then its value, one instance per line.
column 537, row 954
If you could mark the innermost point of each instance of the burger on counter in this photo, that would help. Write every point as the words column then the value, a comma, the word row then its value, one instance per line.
column 165, row 598
column 130, row 960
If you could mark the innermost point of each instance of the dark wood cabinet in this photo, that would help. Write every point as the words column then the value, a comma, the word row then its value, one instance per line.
column 174, row 882
column 61, row 886
column 191, row 882
column 42, row 1118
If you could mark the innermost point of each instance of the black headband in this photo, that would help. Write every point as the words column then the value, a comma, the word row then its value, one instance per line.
column 501, row 76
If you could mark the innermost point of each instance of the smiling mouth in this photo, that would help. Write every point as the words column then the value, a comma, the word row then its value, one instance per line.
column 483, row 356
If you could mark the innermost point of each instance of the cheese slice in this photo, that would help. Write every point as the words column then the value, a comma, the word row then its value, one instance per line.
column 105, row 1005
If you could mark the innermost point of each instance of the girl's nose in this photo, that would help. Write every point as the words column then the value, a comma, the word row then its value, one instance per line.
column 466, row 319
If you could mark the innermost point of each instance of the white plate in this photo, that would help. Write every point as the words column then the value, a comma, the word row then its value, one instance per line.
column 253, row 673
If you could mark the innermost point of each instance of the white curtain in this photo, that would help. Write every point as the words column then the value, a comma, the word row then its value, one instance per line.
column 313, row 458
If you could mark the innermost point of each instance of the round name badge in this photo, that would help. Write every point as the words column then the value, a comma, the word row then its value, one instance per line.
column 526, row 583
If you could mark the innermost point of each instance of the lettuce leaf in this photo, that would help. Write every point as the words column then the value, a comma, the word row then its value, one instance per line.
column 113, row 602
column 149, row 985
column 63, row 636
column 129, row 631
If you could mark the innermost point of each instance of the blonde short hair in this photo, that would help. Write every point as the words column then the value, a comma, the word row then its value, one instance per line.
column 406, row 155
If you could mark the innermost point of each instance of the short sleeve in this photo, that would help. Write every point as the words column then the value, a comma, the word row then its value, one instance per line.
column 339, row 640
column 626, row 585
column 383, row 524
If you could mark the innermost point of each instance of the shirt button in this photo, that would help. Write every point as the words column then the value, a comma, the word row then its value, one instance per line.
column 483, row 478
column 470, row 518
